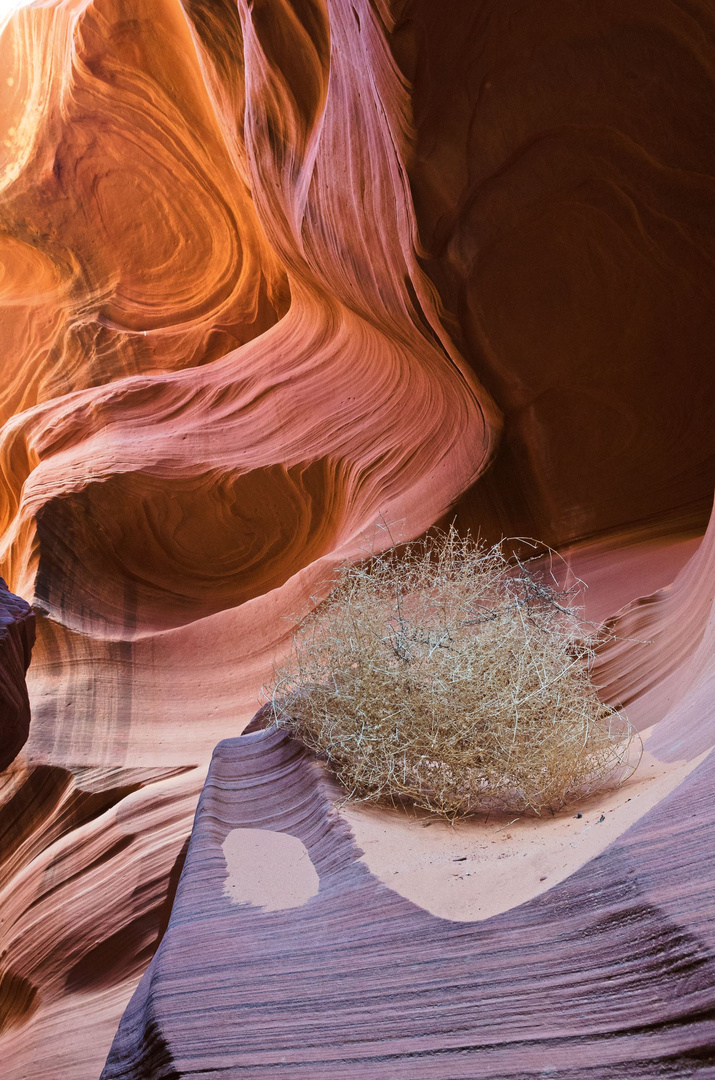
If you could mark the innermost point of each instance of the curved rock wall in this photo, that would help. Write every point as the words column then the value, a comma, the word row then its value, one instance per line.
column 659, row 663
column 17, row 636
column 563, row 185
column 604, row 976
column 608, row 974
column 281, row 281
column 248, row 373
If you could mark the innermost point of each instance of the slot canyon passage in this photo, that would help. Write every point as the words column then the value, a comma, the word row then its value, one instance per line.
column 281, row 280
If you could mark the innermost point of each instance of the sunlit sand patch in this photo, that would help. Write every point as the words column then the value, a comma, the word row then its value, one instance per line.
column 270, row 870
column 480, row 867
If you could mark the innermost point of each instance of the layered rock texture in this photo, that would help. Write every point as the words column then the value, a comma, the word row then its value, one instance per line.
column 280, row 282
column 610, row 974
column 17, row 635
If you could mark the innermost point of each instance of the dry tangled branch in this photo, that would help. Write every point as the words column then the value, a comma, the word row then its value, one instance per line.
column 455, row 677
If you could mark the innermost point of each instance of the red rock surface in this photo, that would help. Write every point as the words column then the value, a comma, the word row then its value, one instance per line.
column 610, row 973
column 89, row 861
column 17, row 636
column 660, row 664
column 273, row 275
column 562, row 179
column 246, row 370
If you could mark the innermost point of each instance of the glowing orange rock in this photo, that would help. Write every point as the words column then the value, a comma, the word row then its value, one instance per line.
column 281, row 281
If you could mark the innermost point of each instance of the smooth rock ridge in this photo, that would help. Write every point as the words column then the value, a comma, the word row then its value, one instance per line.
column 610, row 974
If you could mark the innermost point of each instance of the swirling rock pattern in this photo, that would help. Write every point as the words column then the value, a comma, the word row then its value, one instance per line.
column 280, row 280
column 247, row 373
column 17, row 636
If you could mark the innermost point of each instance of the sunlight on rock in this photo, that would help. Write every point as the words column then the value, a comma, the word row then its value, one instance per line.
column 271, row 870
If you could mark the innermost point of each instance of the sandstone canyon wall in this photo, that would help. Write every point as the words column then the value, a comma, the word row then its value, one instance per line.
column 562, row 181
column 17, row 635
column 280, row 280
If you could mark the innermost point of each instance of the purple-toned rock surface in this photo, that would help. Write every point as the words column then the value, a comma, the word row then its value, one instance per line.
column 610, row 974
column 17, row 636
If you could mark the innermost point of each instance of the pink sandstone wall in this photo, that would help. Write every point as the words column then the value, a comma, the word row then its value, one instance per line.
column 277, row 275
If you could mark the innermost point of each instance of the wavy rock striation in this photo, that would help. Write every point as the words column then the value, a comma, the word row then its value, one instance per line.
column 278, row 281
column 89, row 861
column 248, row 372
column 660, row 663
column 17, row 636
column 609, row 974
